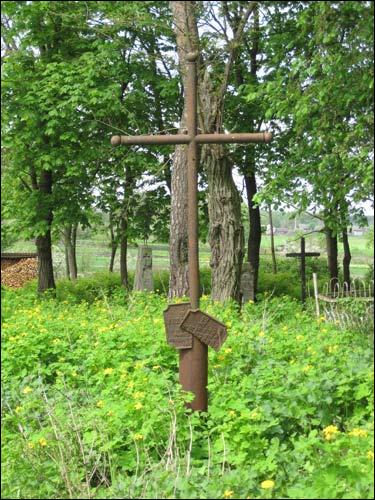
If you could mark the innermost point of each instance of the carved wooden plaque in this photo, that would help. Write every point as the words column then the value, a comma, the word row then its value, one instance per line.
column 173, row 316
column 207, row 329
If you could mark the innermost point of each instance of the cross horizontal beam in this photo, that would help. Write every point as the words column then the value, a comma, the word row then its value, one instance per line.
column 130, row 140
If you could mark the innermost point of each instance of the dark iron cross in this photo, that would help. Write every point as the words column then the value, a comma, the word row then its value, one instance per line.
column 302, row 255
column 194, row 360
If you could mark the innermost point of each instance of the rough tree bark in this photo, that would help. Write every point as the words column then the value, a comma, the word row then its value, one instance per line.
column 226, row 230
column 226, row 235
column 43, row 242
column 187, row 40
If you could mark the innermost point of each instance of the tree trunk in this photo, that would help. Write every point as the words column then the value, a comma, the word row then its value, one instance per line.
column 226, row 235
column 255, row 232
column 187, row 39
column 273, row 253
column 73, row 257
column 43, row 242
column 332, row 256
column 67, row 270
column 347, row 258
column 178, row 240
column 113, row 246
column 123, row 252
column 70, row 237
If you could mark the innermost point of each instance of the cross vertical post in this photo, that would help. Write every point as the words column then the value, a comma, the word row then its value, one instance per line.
column 187, row 328
column 193, row 362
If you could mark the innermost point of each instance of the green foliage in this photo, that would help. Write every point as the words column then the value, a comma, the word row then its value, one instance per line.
column 92, row 407
column 315, row 95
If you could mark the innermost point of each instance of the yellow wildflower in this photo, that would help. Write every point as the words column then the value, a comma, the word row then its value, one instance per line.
column 254, row 415
column 232, row 413
column 56, row 341
column 227, row 350
column 100, row 404
column 138, row 395
column 138, row 437
column 228, row 494
column 261, row 333
column 370, row 455
column 332, row 348
column 229, row 324
column 138, row 406
column 108, row 371
column 268, row 484
column 30, row 445
column 324, row 330
column 306, row 368
column 299, row 337
column 27, row 390
column 358, row 432
column 42, row 442
column 285, row 328
column 156, row 367
column 330, row 432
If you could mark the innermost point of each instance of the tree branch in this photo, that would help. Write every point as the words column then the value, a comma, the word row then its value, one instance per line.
column 233, row 46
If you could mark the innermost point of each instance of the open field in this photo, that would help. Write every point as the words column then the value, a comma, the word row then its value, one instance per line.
column 93, row 254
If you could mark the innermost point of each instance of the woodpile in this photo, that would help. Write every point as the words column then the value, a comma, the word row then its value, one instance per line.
column 15, row 274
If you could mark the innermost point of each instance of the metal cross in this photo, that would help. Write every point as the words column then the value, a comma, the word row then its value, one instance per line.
column 302, row 255
column 193, row 361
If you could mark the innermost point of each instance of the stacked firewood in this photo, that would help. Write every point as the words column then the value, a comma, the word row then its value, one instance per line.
column 15, row 275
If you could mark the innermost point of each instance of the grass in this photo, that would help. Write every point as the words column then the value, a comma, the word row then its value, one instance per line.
column 92, row 407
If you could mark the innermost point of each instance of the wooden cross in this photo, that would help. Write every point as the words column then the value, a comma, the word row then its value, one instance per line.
column 194, row 360
column 302, row 255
